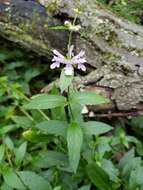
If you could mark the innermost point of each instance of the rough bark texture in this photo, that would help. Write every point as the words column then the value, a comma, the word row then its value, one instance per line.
column 114, row 47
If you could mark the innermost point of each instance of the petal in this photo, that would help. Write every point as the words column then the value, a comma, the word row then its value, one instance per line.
column 80, row 61
column 81, row 54
column 58, row 53
column 54, row 65
column 68, row 69
column 82, row 67
column 58, row 59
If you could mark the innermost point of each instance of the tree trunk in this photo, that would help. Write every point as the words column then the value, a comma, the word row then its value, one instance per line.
column 114, row 46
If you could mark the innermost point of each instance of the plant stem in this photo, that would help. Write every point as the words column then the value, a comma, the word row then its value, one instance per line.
column 40, row 111
column 26, row 113
column 71, row 32
column 69, row 106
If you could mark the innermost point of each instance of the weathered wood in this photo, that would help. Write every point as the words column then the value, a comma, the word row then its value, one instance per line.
column 114, row 46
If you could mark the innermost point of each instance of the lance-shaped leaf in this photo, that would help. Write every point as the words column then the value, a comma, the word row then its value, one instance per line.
column 88, row 98
column 45, row 101
column 74, row 142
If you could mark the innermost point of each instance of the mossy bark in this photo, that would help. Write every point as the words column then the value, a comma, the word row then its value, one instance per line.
column 114, row 46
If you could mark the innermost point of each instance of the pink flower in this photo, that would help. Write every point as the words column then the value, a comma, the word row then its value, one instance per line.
column 69, row 61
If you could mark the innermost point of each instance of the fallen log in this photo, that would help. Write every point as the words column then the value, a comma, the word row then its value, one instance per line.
column 113, row 46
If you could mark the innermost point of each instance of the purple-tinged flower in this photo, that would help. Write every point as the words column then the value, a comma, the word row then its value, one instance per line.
column 69, row 61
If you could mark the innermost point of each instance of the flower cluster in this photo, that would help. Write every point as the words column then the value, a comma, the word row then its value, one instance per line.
column 69, row 61
column 71, row 26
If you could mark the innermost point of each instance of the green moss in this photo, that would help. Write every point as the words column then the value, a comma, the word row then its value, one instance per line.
column 14, row 32
column 131, row 10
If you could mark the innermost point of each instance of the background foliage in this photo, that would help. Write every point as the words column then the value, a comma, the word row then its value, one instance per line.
column 38, row 153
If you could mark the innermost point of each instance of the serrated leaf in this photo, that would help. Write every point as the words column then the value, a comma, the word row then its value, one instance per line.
column 45, row 101
column 98, row 177
column 74, row 143
column 53, row 127
column 33, row 181
column 96, row 128
column 88, row 98
column 65, row 81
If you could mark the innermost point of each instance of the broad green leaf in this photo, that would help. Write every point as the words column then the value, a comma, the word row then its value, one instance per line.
column 7, row 140
column 45, row 101
column 7, row 129
column 110, row 169
column 49, row 159
column 2, row 150
column 65, row 81
column 57, row 188
column 34, row 181
column 96, row 128
column 136, row 178
column 74, row 143
column 35, row 136
column 85, row 187
column 137, row 122
column 131, row 165
column 88, row 98
column 98, row 177
column 12, row 179
column 20, row 153
column 5, row 187
column 23, row 121
column 126, row 158
column 53, row 127
column 31, row 73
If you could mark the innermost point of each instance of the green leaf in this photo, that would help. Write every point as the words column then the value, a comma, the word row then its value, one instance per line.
column 7, row 129
column 88, row 98
column 131, row 165
column 53, row 127
column 7, row 140
column 35, row 136
column 65, row 81
column 33, row 181
column 49, row 159
column 12, row 180
column 20, row 153
column 45, row 101
column 2, row 151
column 23, row 121
column 110, row 169
column 96, row 128
column 85, row 187
column 74, row 143
column 136, row 178
column 57, row 188
column 98, row 177
column 126, row 158
column 5, row 187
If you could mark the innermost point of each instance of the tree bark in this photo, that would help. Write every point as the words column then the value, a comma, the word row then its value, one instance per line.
column 113, row 46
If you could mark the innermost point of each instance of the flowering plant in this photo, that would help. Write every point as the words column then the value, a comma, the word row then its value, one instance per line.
column 69, row 61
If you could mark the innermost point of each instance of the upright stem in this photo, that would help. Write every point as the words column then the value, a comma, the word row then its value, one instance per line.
column 69, row 106
column 71, row 32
